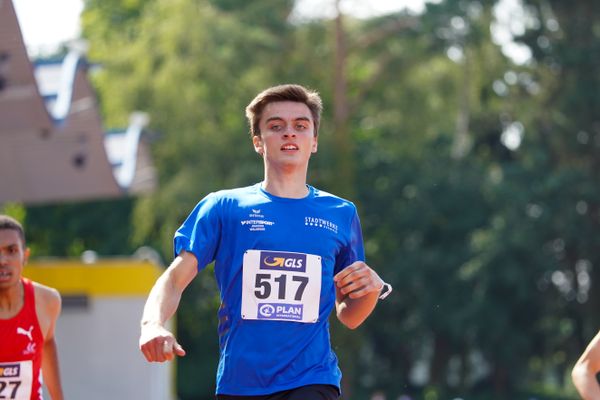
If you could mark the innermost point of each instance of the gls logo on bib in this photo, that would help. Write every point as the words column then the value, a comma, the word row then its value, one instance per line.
column 281, row 261
column 10, row 371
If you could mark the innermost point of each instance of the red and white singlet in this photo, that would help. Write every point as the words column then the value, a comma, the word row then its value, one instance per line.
column 21, row 343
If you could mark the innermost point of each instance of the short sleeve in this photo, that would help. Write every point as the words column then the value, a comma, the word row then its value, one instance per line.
column 200, row 232
column 354, row 249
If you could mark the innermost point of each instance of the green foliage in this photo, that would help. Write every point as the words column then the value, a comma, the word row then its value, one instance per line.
column 488, row 248
column 15, row 210
column 67, row 230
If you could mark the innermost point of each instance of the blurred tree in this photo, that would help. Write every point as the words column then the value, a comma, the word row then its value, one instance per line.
column 476, row 178
column 430, row 138
column 66, row 230
column 561, row 154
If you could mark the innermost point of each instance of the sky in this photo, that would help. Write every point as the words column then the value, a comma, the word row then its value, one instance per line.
column 46, row 24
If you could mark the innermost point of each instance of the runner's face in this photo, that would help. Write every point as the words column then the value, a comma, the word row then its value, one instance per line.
column 13, row 257
column 286, row 134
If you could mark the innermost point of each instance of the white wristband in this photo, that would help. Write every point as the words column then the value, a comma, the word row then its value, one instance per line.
column 385, row 291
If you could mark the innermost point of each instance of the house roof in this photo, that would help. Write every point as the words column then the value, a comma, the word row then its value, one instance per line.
column 53, row 147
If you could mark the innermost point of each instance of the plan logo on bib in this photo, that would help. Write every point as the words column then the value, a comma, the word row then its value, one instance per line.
column 282, row 261
column 280, row 311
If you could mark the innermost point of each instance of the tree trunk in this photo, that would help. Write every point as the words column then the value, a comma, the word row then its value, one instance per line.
column 439, row 361
column 344, row 146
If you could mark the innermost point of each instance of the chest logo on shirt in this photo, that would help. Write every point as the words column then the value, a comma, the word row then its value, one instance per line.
column 256, row 221
column 320, row 223
column 30, row 349
column 21, row 331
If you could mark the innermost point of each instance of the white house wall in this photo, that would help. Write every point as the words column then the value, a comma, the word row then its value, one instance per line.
column 99, row 356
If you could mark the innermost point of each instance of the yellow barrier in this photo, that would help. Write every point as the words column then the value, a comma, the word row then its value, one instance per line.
column 106, row 277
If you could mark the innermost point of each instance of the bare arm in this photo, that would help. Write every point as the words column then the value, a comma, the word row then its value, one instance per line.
column 48, row 306
column 156, row 342
column 585, row 370
column 50, row 370
column 357, row 290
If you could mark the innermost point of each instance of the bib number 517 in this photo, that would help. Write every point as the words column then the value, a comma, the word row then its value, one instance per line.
column 264, row 284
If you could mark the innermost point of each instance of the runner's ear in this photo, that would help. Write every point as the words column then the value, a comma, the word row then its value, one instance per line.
column 26, row 253
column 258, row 144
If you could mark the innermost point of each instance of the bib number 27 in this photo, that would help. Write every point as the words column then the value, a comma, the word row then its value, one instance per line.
column 8, row 389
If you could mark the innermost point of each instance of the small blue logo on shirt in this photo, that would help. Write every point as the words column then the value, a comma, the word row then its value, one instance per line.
column 279, row 311
column 276, row 260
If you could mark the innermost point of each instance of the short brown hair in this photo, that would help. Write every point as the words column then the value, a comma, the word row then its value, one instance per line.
column 287, row 92
column 9, row 223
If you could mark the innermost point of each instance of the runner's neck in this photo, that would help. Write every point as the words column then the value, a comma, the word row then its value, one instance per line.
column 11, row 301
column 292, row 189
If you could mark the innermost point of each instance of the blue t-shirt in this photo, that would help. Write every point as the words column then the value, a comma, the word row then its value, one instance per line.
column 265, row 246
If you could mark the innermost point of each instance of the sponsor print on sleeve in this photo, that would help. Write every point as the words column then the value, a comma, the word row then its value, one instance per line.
column 281, row 286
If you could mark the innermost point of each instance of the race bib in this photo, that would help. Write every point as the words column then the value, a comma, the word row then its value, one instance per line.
column 281, row 286
column 16, row 379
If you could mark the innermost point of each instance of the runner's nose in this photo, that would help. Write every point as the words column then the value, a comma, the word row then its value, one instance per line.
column 289, row 132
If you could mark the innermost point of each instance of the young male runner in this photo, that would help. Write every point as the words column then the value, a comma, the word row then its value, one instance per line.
column 586, row 370
column 28, row 314
column 285, row 254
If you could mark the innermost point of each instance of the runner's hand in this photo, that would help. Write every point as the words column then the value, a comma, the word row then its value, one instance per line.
column 357, row 280
column 158, row 344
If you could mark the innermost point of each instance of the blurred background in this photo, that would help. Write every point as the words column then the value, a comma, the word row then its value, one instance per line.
column 467, row 132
